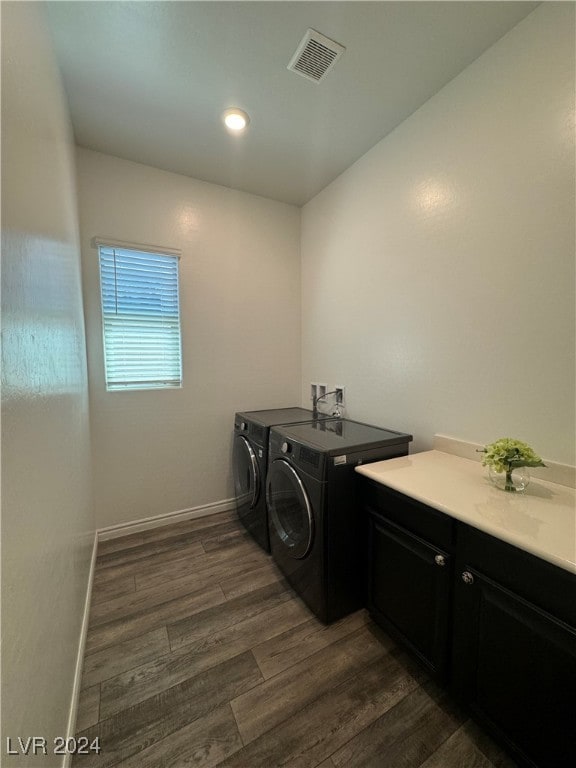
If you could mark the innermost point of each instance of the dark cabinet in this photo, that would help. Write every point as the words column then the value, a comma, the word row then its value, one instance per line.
column 408, row 591
column 493, row 622
column 513, row 661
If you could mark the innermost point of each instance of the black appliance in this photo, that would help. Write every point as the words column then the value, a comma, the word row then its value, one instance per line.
column 250, row 459
column 315, row 520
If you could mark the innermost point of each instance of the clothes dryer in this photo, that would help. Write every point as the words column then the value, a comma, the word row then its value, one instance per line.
column 315, row 521
column 250, row 459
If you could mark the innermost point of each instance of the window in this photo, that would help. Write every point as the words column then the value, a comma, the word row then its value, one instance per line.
column 140, row 318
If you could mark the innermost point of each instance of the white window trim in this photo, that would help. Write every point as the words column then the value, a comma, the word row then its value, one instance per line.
column 107, row 242
column 97, row 243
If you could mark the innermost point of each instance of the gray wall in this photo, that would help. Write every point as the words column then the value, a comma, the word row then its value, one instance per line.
column 47, row 526
column 160, row 451
column 438, row 271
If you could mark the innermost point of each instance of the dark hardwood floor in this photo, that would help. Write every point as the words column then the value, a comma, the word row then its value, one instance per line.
column 199, row 654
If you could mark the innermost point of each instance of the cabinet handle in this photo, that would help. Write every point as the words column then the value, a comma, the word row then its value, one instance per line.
column 467, row 577
column 440, row 560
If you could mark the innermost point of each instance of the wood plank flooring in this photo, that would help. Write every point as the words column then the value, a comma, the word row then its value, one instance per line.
column 199, row 654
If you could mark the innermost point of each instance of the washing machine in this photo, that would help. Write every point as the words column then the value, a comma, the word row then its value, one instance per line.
column 315, row 521
column 250, row 460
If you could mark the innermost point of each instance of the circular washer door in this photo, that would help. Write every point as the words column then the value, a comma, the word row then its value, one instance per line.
column 246, row 472
column 289, row 509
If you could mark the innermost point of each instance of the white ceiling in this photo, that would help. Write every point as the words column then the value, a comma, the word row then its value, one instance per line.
column 148, row 81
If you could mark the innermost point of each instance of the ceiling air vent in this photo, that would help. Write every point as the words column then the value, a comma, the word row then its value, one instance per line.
column 315, row 56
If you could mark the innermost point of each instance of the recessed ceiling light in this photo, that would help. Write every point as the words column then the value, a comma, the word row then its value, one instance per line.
column 235, row 120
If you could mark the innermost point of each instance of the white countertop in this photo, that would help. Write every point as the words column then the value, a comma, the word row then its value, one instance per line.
column 541, row 520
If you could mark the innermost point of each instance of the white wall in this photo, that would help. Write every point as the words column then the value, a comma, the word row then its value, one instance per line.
column 160, row 451
column 438, row 271
column 47, row 527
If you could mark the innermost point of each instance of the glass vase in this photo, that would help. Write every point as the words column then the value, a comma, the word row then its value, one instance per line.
column 514, row 480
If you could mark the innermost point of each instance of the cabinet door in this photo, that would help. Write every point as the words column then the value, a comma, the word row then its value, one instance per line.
column 515, row 666
column 409, row 591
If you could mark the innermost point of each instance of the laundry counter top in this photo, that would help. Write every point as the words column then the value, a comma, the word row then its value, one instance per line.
column 541, row 520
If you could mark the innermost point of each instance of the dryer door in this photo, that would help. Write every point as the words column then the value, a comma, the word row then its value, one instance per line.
column 246, row 472
column 289, row 509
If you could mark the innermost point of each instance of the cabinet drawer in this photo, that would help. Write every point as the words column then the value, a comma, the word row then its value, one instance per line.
column 427, row 523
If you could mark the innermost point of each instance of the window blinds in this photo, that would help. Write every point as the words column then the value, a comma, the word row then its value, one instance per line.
column 141, row 319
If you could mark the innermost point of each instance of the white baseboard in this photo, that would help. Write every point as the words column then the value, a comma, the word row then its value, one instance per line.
column 71, row 727
column 146, row 523
column 554, row 472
